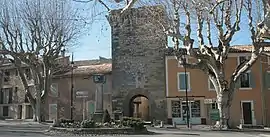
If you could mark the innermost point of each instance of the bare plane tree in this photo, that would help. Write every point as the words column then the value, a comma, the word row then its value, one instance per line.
column 224, row 17
column 34, row 33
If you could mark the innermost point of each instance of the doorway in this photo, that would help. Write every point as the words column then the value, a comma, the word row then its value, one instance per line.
column 20, row 112
column 139, row 107
column 247, row 115
column 52, row 112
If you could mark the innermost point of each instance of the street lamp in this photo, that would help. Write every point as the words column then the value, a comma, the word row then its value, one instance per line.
column 71, row 88
column 183, row 58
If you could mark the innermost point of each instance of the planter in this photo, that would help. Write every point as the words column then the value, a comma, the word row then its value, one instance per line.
column 100, row 131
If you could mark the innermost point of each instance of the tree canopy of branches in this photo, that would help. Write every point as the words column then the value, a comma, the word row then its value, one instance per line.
column 34, row 33
column 223, row 17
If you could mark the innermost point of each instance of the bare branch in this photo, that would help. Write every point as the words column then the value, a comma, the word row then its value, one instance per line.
column 128, row 6
column 217, row 4
column 200, row 25
column 209, row 31
column 102, row 3
column 188, row 42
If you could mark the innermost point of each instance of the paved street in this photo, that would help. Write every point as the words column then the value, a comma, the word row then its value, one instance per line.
column 31, row 129
column 203, row 134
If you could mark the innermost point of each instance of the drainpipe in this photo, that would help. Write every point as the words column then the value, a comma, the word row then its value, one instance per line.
column 262, row 92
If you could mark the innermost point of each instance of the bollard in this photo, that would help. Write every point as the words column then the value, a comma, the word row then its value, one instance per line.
column 161, row 124
column 174, row 124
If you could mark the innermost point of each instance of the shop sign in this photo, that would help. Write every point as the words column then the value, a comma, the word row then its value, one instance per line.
column 208, row 101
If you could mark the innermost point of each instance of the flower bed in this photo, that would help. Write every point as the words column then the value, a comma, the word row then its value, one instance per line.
column 99, row 131
column 125, row 126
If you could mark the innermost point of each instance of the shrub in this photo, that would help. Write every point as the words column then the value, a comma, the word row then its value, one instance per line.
column 88, row 124
column 136, row 123
column 106, row 117
column 66, row 123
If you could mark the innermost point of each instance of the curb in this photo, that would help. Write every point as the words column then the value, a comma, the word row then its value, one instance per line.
column 23, row 131
column 212, row 130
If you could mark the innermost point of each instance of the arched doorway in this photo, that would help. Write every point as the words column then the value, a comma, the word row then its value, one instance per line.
column 139, row 107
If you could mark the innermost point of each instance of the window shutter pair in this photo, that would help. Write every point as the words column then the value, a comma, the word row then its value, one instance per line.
column 252, row 81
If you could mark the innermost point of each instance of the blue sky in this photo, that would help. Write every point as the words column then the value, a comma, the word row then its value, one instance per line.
column 97, row 39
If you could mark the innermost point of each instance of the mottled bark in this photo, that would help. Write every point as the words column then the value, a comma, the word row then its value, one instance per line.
column 28, row 94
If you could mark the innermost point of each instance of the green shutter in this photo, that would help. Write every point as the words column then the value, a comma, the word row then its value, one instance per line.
column 252, row 80
column 182, row 84
column 91, row 107
column 266, row 80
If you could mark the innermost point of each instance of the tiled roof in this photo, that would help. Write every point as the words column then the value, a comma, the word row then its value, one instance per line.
column 92, row 69
column 246, row 48
column 233, row 49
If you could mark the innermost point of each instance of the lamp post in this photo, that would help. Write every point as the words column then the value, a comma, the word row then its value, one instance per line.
column 71, row 88
column 185, row 69
column 38, row 102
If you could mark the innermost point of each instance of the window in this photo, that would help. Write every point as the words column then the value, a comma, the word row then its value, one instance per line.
column 6, row 76
column 6, row 96
column 54, row 89
column 245, row 80
column 176, row 109
column 242, row 59
column 28, row 74
column 26, row 99
column 266, row 80
column 1, row 97
column 5, row 111
column 180, row 63
column 10, row 96
column 196, row 109
column 182, row 79
column 210, row 85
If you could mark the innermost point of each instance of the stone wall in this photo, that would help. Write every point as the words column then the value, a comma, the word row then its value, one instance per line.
column 138, row 66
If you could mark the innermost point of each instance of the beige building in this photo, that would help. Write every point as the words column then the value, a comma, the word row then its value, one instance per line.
column 13, row 103
column 85, row 91
column 250, row 105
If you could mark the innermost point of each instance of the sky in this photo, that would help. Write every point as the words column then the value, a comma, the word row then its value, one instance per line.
column 97, row 39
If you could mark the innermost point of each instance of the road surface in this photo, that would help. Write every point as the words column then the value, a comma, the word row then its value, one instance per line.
column 37, row 130
column 174, row 134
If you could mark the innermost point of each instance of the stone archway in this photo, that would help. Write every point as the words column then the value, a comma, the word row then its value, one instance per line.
column 138, row 93
column 139, row 107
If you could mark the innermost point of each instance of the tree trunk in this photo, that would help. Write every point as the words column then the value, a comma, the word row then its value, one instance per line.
column 45, row 96
column 35, row 118
column 27, row 92
column 38, row 104
column 224, row 110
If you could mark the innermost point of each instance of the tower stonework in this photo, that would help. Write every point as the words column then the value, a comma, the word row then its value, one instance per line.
column 138, row 61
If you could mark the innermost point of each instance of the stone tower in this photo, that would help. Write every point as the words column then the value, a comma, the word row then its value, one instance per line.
column 138, row 65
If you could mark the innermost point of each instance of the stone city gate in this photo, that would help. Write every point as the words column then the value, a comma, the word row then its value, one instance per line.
column 138, row 65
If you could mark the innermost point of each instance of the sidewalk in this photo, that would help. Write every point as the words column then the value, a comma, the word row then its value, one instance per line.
column 23, row 123
column 207, row 128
